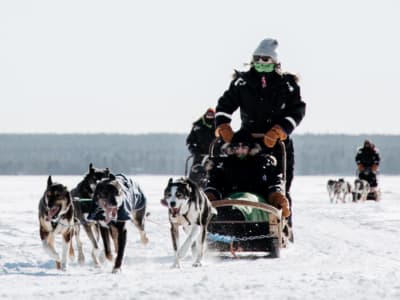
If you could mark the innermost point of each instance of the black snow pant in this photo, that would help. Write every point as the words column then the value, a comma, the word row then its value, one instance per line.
column 277, row 152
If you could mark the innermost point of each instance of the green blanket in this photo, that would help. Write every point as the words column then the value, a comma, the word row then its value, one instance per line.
column 250, row 213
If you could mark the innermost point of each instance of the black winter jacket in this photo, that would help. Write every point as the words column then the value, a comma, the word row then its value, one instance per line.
column 254, row 174
column 200, row 137
column 279, row 103
column 367, row 156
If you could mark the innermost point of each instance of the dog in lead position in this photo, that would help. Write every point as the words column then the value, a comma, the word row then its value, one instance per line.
column 189, row 207
column 56, row 217
column 342, row 190
column 118, row 201
column 330, row 186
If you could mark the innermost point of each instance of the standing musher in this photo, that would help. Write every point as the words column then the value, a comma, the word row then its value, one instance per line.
column 368, row 159
column 270, row 104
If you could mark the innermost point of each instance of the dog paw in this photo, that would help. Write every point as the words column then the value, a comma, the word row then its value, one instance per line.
column 197, row 264
column 62, row 266
column 58, row 265
column 144, row 240
column 116, row 270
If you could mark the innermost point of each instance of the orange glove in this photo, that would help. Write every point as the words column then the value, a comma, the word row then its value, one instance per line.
column 360, row 167
column 279, row 200
column 374, row 167
column 273, row 135
column 225, row 131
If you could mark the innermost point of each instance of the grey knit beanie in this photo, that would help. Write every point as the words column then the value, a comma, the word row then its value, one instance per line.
column 267, row 47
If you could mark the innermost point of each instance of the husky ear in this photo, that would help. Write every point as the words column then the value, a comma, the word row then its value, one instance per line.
column 49, row 181
column 91, row 169
column 188, row 185
column 170, row 181
column 107, row 172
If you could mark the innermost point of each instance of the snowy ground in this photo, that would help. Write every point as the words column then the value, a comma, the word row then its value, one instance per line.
column 341, row 251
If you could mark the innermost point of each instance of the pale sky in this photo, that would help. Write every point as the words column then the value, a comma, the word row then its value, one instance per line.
column 90, row 66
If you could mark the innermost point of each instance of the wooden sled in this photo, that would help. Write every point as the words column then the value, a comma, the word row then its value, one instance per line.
column 263, row 231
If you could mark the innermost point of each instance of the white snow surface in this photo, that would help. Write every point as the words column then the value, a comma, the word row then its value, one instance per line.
column 341, row 251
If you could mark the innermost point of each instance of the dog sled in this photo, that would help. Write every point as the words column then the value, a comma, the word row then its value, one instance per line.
column 374, row 194
column 254, row 226
column 246, row 223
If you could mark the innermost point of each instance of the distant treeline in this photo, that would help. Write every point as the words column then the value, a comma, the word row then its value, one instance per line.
column 167, row 153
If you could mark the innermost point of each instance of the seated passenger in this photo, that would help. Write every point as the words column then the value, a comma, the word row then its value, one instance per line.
column 246, row 169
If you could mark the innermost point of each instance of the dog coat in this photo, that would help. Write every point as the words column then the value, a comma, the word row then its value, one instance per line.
column 133, row 197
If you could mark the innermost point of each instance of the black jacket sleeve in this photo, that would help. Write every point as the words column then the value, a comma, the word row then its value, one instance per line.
column 295, row 108
column 228, row 103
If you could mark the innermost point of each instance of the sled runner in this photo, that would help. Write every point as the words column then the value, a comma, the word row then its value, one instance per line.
column 374, row 194
column 247, row 223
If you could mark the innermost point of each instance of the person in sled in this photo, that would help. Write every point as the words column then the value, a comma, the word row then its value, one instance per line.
column 198, row 142
column 367, row 160
column 245, row 168
column 270, row 105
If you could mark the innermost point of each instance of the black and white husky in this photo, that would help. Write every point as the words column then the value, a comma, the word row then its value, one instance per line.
column 82, row 196
column 338, row 190
column 360, row 190
column 119, row 200
column 330, row 186
column 56, row 217
column 189, row 207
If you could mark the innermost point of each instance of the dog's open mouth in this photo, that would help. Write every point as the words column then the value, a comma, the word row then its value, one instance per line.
column 53, row 212
column 174, row 211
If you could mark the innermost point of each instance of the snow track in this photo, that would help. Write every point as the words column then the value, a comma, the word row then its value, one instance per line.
column 341, row 251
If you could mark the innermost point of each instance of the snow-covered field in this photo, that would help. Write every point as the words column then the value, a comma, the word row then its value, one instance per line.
column 341, row 251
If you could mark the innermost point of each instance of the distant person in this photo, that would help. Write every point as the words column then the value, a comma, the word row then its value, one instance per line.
column 368, row 159
column 198, row 143
column 245, row 168
column 270, row 104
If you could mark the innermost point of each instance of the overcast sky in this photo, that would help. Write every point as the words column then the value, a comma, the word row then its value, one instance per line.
column 155, row 66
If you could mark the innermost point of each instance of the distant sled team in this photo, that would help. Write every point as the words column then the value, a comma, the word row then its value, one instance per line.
column 341, row 190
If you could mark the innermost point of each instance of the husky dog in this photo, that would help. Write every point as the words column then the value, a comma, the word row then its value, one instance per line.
column 342, row 190
column 330, row 186
column 56, row 216
column 119, row 200
column 361, row 190
column 190, row 208
column 82, row 196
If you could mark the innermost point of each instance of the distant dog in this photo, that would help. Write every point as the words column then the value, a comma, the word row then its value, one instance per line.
column 190, row 208
column 56, row 216
column 82, row 196
column 119, row 200
column 342, row 190
column 330, row 186
column 360, row 190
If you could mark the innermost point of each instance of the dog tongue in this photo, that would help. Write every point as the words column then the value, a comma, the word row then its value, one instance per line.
column 52, row 212
column 174, row 211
